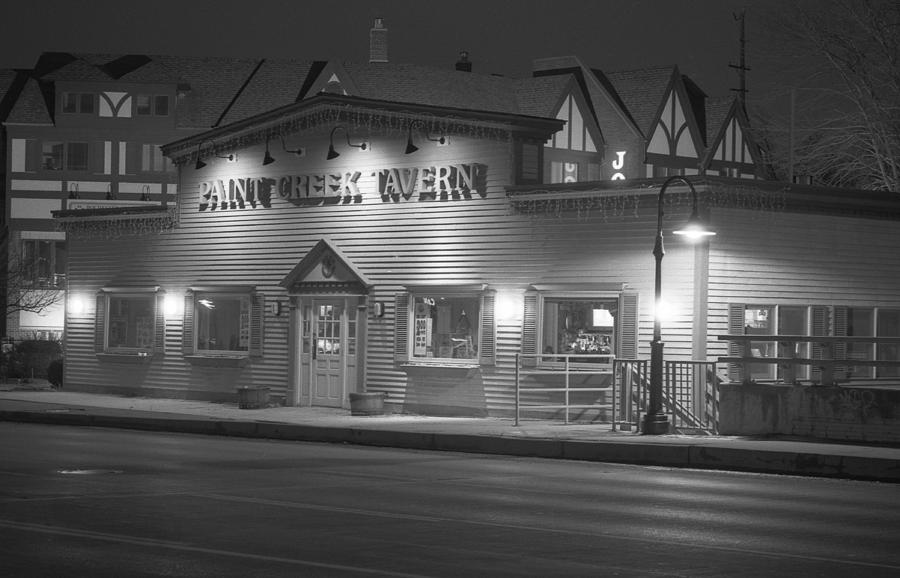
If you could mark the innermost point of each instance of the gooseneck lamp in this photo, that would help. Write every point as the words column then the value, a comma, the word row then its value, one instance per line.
column 200, row 164
column 410, row 147
column 656, row 421
column 333, row 154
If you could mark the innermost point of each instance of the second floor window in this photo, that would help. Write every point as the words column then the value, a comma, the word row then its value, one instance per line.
column 78, row 102
column 44, row 262
column 152, row 160
column 152, row 104
column 61, row 156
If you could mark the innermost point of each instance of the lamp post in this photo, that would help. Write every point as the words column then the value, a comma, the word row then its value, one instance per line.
column 656, row 421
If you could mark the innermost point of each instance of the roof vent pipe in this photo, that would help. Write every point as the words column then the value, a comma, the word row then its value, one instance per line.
column 378, row 42
column 464, row 64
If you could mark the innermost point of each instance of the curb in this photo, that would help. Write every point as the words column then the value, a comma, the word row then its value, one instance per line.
column 675, row 455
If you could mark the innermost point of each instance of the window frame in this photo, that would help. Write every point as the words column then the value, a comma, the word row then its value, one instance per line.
column 152, row 105
column 255, row 327
column 485, row 325
column 66, row 156
column 152, row 156
column 625, row 328
column 102, row 324
column 80, row 104
column 824, row 321
column 31, row 259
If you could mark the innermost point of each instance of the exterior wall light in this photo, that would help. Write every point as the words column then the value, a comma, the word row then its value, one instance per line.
column 77, row 305
column 333, row 154
column 200, row 164
column 410, row 147
column 269, row 159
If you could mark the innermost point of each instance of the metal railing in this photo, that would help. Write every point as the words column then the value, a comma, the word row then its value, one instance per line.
column 615, row 391
column 690, row 396
column 827, row 358
column 546, row 391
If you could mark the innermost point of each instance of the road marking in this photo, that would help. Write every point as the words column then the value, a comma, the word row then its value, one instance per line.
column 152, row 543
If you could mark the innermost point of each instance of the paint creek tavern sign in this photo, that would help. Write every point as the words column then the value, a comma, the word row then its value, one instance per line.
column 434, row 183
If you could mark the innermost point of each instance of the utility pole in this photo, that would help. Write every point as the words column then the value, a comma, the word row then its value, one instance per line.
column 742, row 67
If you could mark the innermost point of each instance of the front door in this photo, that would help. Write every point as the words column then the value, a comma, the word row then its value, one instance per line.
column 329, row 350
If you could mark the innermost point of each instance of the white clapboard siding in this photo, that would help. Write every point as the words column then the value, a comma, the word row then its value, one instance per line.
column 478, row 240
column 799, row 259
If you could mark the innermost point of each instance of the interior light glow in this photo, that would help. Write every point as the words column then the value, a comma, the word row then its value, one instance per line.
column 602, row 318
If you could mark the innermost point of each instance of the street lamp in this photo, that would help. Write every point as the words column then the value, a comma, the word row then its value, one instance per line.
column 656, row 421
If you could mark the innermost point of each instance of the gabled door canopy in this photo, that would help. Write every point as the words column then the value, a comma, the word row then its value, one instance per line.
column 326, row 270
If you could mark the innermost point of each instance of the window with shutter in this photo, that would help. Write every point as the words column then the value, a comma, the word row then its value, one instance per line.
column 628, row 325
column 130, row 321
column 488, row 350
column 224, row 322
column 401, row 327
column 591, row 327
column 446, row 324
column 529, row 329
column 735, row 349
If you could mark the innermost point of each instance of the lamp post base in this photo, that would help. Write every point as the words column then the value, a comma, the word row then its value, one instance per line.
column 655, row 424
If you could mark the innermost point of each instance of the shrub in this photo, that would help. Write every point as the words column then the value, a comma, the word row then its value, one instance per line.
column 30, row 358
column 55, row 373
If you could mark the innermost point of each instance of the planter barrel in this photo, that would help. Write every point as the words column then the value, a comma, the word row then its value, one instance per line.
column 367, row 403
column 253, row 397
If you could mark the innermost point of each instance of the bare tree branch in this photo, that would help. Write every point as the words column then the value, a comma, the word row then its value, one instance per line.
column 847, row 133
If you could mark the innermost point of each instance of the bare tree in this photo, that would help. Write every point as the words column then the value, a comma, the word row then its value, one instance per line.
column 24, row 291
column 843, row 126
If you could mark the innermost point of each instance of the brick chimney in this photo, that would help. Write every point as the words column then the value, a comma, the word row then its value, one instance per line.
column 378, row 42
column 464, row 64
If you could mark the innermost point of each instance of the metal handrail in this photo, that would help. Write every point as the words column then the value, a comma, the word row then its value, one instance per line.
column 549, row 364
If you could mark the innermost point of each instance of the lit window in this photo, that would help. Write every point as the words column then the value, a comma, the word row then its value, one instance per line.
column 222, row 322
column 130, row 321
column 856, row 322
column 888, row 325
column 451, row 324
column 570, row 324
column 226, row 321
column 43, row 263
column 579, row 327
column 817, row 320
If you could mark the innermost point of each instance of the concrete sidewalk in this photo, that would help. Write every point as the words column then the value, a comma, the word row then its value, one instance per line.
column 544, row 439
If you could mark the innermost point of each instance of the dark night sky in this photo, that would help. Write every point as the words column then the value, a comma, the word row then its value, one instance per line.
column 502, row 36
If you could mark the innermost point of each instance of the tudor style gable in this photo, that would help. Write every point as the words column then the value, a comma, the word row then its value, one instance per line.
column 573, row 153
column 676, row 142
column 732, row 151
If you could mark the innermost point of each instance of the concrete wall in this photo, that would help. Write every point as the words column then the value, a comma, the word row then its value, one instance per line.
column 831, row 412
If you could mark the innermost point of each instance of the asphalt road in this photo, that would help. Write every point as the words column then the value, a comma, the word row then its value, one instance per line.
column 78, row 501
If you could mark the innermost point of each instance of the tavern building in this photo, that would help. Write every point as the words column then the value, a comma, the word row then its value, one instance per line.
column 416, row 232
